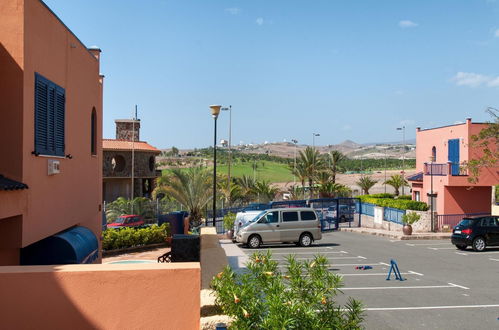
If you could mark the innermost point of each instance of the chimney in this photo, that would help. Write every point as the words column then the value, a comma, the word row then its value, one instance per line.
column 125, row 129
column 468, row 121
column 95, row 51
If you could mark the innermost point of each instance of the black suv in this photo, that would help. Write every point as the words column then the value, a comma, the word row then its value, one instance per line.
column 478, row 232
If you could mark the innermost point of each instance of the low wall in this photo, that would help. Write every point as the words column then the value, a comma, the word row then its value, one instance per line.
column 126, row 296
column 377, row 222
column 213, row 258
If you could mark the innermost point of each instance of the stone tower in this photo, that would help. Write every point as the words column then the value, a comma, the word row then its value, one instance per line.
column 125, row 129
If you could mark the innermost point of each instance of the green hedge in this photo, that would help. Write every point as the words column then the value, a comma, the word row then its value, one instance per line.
column 399, row 203
column 129, row 237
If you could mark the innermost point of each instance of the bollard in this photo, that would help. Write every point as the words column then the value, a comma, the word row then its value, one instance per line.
column 220, row 326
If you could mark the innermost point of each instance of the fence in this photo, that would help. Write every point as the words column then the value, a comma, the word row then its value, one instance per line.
column 452, row 220
column 367, row 209
column 393, row 215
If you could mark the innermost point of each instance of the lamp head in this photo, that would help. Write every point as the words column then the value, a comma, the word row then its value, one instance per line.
column 215, row 110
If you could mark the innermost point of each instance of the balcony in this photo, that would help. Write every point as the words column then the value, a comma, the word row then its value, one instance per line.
column 444, row 169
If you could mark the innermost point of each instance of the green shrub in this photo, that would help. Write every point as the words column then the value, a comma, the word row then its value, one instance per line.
column 229, row 220
column 406, row 197
column 303, row 297
column 402, row 204
column 382, row 195
column 120, row 238
column 410, row 218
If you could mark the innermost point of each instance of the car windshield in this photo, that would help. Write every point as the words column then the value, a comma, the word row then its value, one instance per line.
column 465, row 222
column 257, row 217
column 120, row 220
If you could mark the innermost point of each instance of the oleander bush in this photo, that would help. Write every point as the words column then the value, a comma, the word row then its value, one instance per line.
column 120, row 238
column 301, row 297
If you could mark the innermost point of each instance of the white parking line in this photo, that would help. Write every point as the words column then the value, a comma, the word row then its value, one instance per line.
column 340, row 265
column 451, row 285
column 462, row 253
column 426, row 244
column 449, row 248
column 477, row 253
column 428, row 307
column 493, row 259
column 322, row 252
column 412, row 272
column 370, row 274
column 329, row 258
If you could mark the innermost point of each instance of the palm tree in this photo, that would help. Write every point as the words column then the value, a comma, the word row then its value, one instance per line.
column 335, row 158
column 333, row 190
column 396, row 181
column 265, row 191
column 229, row 194
column 296, row 192
column 139, row 205
column 365, row 183
column 323, row 177
column 311, row 164
column 247, row 185
column 300, row 172
column 192, row 188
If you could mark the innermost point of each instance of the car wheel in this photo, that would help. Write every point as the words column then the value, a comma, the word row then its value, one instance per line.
column 306, row 240
column 479, row 244
column 461, row 247
column 254, row 241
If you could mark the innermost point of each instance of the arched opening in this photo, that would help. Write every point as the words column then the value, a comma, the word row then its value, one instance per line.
column 152, row 163
column 93, row 132
column 118, row 163
column 433, row 154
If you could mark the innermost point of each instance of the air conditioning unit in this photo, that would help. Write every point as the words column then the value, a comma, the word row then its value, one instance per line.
column 53, row 167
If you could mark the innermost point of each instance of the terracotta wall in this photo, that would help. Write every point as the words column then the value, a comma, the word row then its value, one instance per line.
column 140, row 296
column 72, row 197
column 213, row 258
column 459, row 200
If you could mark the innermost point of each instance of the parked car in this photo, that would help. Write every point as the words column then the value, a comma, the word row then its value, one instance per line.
column 242, row 218
column 132, row 220
column 478, row 233
column 346, row 213
column 298, row 225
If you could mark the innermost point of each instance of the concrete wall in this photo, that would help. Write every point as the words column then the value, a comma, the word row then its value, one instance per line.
column 377, row 222
column 213, row 258
column 140, row 296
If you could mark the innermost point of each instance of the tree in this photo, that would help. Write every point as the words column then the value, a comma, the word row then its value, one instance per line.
column 333, row 190
column 311, row 163
column 192, row 188
column 487, row 141
column 300, row 172
column 335, row 158
column 265, row 191
column 365, row 183
column 247, row 185
column 229, row 194
column 396, row 181
column 121, row 206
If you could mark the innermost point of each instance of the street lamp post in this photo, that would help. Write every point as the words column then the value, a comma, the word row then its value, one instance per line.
column 403, row 154
column 215, row 111
column 313, row 166
column 431, row 194
column 230, row 151
column 294, row 166
column 313, row 139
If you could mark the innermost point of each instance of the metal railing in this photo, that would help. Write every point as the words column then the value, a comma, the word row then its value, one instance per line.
column 436, row 169
column 452, row 220
column 393, row 215
column 367, row 209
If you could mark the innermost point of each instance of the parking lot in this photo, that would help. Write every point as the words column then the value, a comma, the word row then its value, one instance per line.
column 443, row 288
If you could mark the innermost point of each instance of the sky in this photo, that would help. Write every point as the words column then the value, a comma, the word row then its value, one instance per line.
column 347, row 69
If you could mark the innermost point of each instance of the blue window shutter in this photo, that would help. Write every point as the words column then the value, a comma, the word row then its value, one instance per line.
column 60, row 105
column 49, row 117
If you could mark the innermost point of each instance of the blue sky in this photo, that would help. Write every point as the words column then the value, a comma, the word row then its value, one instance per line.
column 345, row 69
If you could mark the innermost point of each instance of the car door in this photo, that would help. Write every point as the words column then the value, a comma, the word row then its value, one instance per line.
column 267, row 227
column 290, row 226
column 494, row 230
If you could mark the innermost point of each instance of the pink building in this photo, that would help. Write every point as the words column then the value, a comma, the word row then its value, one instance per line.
column 50, row 133
column 440, row 154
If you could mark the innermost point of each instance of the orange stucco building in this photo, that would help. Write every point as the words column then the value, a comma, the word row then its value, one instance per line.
column 50, row 160
column 440, row 155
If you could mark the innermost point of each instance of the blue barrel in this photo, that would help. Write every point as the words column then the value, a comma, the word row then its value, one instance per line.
column 176, row 221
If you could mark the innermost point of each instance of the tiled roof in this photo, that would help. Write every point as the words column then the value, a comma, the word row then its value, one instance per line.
column 109, row 144
column 416, row 177
column 8, row 184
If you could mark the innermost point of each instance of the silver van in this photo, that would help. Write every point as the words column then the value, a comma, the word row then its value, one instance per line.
column 297, row 225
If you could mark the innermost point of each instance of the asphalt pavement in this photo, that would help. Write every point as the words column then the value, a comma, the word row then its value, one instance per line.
column 443, row 288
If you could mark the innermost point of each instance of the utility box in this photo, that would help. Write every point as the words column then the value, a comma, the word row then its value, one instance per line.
column 185, row 248
column 53, row 167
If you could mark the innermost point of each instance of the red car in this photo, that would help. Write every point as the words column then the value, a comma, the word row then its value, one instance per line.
column 127, row 221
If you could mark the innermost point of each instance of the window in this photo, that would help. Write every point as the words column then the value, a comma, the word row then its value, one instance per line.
column 434, row 154
column 272, row 217
column 289, row 216
column 308, row 215
column 152, row 163
column 417, row 196
column 49, row 117
column 93, row 132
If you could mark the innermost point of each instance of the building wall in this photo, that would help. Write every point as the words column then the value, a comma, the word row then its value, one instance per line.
column 142, row 161
column 139, row 296
column 125, row 129
column 33, row 40
column 459, row 200
column 11, row 83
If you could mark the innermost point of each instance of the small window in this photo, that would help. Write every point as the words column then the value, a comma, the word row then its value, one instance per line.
column 289, row 216
column 152, row 163
column 308, row 215
column 434, row 154
column 118, row 163
column 93, row 132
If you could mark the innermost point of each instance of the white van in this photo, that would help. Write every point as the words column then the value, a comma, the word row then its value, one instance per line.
column 243, row 218
column 298, row 225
